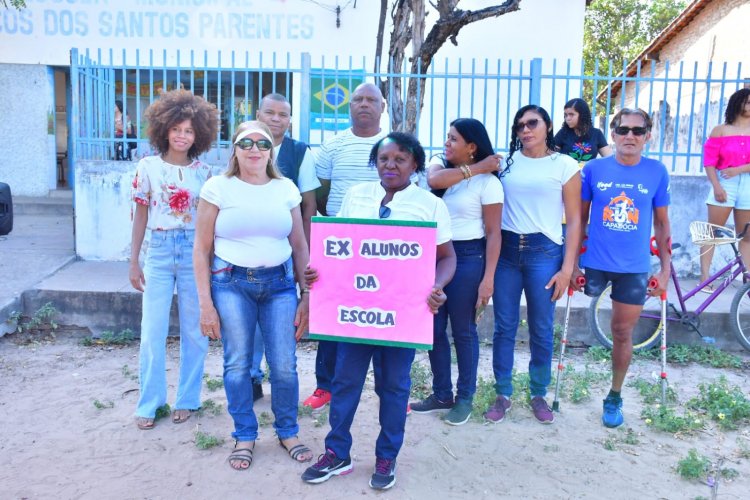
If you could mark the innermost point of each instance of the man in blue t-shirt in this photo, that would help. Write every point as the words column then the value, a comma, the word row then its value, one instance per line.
column 622, row 196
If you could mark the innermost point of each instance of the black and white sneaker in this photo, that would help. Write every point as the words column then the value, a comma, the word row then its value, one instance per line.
column 384, row 476
column 327, row 465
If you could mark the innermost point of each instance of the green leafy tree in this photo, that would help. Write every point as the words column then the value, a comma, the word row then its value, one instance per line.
column 615, row 31
column 16, row 4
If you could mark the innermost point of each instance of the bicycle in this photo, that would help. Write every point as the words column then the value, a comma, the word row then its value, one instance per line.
column 646, row 331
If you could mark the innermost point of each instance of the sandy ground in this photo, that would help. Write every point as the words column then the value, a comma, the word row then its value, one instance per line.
column 54, row 442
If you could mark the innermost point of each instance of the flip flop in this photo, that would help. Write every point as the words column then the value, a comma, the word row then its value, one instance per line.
column 144, row 423
column 297, row 452
column 243, row 455
column 181, row 416
column 707, row 289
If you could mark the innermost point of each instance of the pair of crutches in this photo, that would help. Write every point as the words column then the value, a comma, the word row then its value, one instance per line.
column 653, row 283
column 563, row 342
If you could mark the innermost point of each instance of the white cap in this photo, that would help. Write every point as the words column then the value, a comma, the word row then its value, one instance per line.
column 253, row 129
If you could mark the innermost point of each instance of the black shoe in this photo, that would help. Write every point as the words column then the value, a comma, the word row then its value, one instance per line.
column 431, row 404
column 327, row 465
column 384, row 476
column 257, row 392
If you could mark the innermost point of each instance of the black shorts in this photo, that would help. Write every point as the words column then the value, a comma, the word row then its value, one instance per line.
column 628, row 288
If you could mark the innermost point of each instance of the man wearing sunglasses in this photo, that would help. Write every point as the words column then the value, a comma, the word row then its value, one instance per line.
column 625, row 195
column 297, row 163
column 342, row 162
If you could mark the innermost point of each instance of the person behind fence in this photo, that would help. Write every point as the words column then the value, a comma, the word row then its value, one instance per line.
column 578, row 138
column 341, row 162
column 166, row 187
column 297, row 163
column 397, row 157
column 623, row 194
column 465, row 177
column 726, row 158
column 249, row 249
column 540, row 185
column 124, row 128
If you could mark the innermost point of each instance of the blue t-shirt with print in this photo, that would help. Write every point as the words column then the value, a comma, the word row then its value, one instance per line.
column 622, row 201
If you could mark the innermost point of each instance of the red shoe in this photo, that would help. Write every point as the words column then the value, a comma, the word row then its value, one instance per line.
column 318, row 399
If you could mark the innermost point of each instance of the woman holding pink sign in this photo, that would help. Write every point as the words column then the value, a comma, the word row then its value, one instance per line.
column 397, row 156
column 465, row 177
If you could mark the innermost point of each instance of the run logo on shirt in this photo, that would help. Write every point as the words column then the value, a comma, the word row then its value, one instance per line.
column 620, row 214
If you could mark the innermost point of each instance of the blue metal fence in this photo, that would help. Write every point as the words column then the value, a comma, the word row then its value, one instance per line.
column 685, row 104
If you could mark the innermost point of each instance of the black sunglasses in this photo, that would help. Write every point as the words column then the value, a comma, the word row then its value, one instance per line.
column 247, row 143
column 384, row 212
column 638, row 131
column 532, row 124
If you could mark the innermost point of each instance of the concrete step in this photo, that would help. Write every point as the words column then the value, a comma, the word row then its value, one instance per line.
column 59, row 202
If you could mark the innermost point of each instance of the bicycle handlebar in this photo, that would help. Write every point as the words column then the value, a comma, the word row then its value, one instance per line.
column 655, row 247
column 744, row 231
column 580, row 281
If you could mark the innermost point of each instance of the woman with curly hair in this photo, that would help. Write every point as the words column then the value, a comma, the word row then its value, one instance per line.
column 578, row 138
column 726, row 158
column 166, row 188
column 540, row 185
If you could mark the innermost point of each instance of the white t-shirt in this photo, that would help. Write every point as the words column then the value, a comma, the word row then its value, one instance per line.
column 307, row 180
column 413, row 203
column 533, row 194
column 254, row 222
column 465, row 201
column 344, row 160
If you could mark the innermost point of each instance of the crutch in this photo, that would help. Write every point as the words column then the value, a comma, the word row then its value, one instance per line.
column 563, row 342
column 652, row 284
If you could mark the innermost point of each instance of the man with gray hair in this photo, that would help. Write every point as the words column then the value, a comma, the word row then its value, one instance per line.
column 623, row 195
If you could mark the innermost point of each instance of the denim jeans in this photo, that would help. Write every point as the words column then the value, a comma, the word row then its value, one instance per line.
column 256, row 372
column 169, row 262
column 527, row 262
column 325, row 364
column 245, row 297
column 462, row 293
column 391, row 367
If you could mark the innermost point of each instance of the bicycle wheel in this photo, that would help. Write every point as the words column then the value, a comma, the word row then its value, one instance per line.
column 646, row 331
column 740, row 315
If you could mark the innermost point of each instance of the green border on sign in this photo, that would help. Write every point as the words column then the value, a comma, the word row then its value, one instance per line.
column 356, row 340
column 373, row 222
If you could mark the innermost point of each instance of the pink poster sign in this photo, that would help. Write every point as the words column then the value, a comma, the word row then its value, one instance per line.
column 374, row 279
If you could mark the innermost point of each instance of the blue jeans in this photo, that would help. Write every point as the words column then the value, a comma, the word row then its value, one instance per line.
column 527, row 262
column 256, row 372
column 462, row 293
column 169, row 262
column 245, row 297
column 325, row 364
column 392, row 367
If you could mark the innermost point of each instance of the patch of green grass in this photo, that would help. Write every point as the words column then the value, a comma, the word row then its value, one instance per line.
column 610, row 444
column 665, row 419
column 421, row 380
column 521, row 395
column 43, row 317
column 743, row 448
column 651, row 391
column 320, row 418
column 727, row 406
column 213, row 384
column 127, row 373
column 264, row 419
column 623, row 436
column 576, row 385
column 99, row 405
column 210, row 407
column 483, row 398
column 204, row 441
column 163, row 411
column 599, row 354
column 729, row 473
column 108, row 337
column 702, row 354
column 693, row 466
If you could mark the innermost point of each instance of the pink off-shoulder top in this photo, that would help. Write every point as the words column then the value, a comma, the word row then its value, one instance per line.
column 726, row 152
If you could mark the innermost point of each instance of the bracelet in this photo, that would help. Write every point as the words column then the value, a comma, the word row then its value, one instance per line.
column 466, row 171
column 304, row 291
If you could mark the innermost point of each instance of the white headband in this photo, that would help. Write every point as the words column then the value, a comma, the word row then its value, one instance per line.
column 253, row 130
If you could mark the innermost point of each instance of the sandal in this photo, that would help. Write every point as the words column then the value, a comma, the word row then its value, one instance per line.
column 708, row 288
column 181, row 416
column 144, row 423
column 242, row 455
column 297, row 452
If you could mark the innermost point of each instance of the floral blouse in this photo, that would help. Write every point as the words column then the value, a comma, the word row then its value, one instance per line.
column 170, row 192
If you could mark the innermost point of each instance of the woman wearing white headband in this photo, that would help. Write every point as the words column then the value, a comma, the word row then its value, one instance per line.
column 250, row 220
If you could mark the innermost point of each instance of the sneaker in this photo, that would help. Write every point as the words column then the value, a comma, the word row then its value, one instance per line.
column 327, row 465
column 257, row 392
column 459, row 414
column 384, row 476
column 496, row 412
column 318, row 399
column 408, row 410
column 612, row 416
column 430, row 405
column 541, row 410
